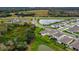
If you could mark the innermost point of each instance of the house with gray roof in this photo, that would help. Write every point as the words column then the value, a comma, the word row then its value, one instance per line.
column 58, row 35
column 52, row 32
column 43, row 33
column 56, row 25
column 49, row 31
column 75, row 45
column 74, row 29
column 66, row 39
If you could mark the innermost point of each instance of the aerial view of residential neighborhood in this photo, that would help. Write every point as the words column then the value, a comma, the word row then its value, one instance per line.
column 39, row 28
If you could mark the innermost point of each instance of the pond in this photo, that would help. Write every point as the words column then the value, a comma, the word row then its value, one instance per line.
column 48, row 21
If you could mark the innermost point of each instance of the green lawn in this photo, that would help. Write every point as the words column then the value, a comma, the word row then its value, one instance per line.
column 76, row 32
column 67, row 32
column 61, row 18
column 46, row 41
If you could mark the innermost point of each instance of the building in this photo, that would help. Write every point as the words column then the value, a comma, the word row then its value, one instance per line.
column 58, row 35
column 48, row 31
column 66, row 39
column 74, row 29
column 43, row 33
column 51, row 31
column 75, row 45
column 15, row 20
column 54, row 33
column 55, row 25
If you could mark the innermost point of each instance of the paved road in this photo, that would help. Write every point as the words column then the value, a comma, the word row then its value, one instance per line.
column 37, row 24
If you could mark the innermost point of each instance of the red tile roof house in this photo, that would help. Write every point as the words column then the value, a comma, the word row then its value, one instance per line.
column 67, row 40
column 74, row 29
column 75, row 45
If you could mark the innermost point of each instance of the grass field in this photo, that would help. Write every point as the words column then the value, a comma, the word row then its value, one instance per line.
column 36, row 12
column 46, row 41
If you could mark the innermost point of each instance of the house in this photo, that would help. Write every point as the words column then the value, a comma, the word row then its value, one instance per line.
column 75, row 45
column 66, row 39
column 43, row 33
column 55, row 25
column 58, row 35
column 51, row 31
column 48, row 31
column 74, row 29
column 14, row 20
column 25, row 20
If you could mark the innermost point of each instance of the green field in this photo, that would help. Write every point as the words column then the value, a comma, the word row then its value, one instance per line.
column 46, row 41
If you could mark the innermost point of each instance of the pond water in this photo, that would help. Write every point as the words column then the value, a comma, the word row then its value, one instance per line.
column 48, row 21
